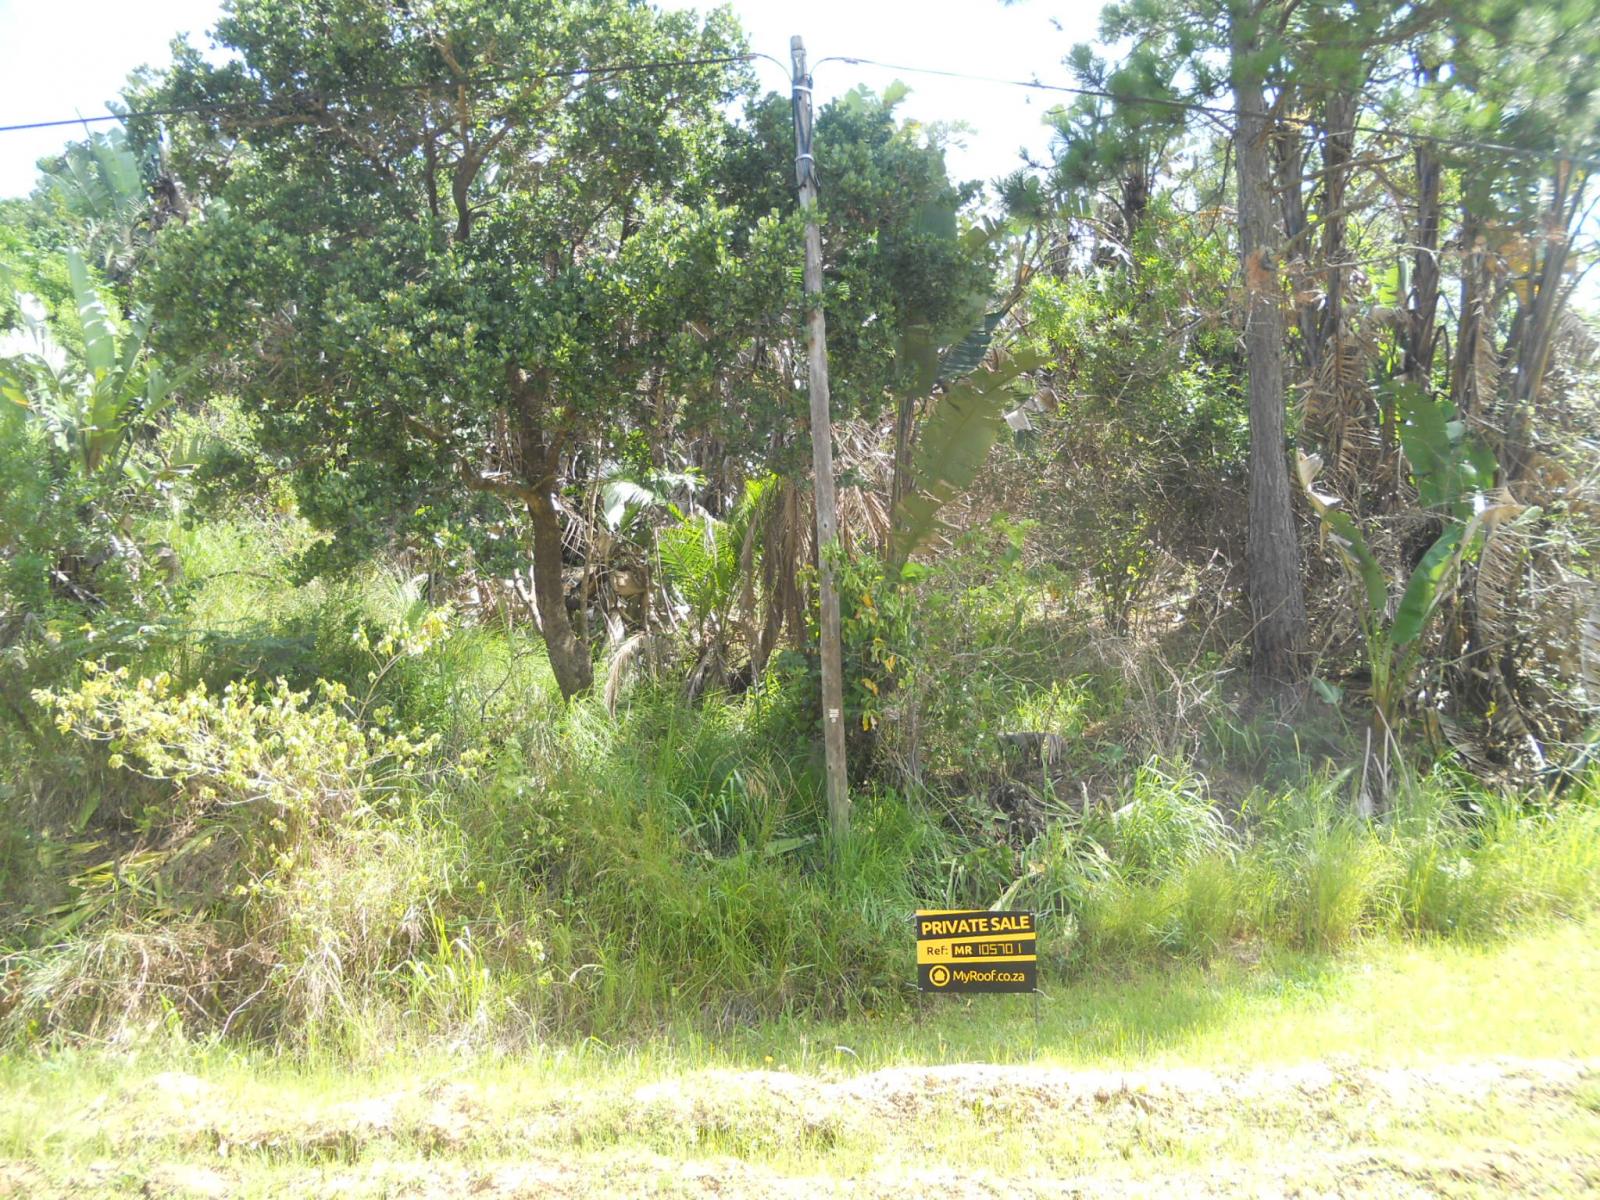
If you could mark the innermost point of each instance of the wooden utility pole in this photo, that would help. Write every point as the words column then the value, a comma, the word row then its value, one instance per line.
column 805, row 169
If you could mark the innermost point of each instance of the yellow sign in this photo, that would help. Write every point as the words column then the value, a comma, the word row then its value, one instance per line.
column 975, row 950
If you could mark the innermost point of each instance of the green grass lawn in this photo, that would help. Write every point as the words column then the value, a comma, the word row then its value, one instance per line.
column 1442, row 1069
column 1538, row 996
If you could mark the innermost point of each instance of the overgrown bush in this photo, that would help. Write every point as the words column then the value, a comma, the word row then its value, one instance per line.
column 613, row 875
column 225, row 810
column 410, row 837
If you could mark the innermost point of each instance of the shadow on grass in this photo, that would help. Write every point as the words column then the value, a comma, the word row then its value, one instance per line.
column 1120, row 1014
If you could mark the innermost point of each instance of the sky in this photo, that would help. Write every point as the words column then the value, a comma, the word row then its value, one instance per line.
column 67, row 58
column 1024, row 40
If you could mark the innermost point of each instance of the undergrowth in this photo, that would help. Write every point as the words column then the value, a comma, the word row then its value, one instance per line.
column 338, row 817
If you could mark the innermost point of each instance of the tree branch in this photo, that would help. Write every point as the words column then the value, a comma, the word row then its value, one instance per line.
column 497, row 484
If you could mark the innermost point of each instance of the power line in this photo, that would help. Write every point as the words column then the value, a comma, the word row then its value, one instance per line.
column 1216, row 112
column 1583, row 159
column 441, row 85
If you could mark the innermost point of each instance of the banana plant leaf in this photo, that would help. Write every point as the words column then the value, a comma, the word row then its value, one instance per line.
column 1358, row 559
column 1348, row 539
column 1426, row 587
column 99, row 334
column 967, row 355
column 1447, row 464
column 954, row 440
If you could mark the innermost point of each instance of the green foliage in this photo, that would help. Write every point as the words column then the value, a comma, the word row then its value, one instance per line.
column 498, row 292
column 32, row 236
column 702, row 562
column 952, row 443
column 288, row 827
column 605, row 875
column 338, row 811
column 1166, row 823
column 92, row 408
column 1448, row 467
column 1304, row 870
column 939, row 658
column 278, row 761
column 1450, row 471
column 904, row 285
column 81, row 399
column 706, row 559
column 100, row 183
column 1135, row 462
column 876, row 620
column 1351, row 544
column 550, row 250
column 1113, row 149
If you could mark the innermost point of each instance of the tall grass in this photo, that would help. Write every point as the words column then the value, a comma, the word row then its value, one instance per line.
column 612, row 877
column 1164, row 875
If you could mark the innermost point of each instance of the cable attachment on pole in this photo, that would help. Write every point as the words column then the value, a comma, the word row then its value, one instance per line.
column 805, row 165
column 805, row 170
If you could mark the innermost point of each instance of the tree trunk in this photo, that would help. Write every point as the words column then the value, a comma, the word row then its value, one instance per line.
column 1538, row 315
column 1474, row 372
column 1338, row 147
column 1277, row 599
column 900, row 480
column 1289, row 160
column 569, row 660
column 1420, row 330
column 540, row 457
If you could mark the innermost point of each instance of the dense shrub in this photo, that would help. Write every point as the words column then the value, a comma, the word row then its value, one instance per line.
column 335, row 815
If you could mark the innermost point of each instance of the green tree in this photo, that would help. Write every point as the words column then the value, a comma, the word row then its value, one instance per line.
column 442, row 250
column 904, row 281
column 1111, row 153
column 1243, row 48
column 80, row 468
